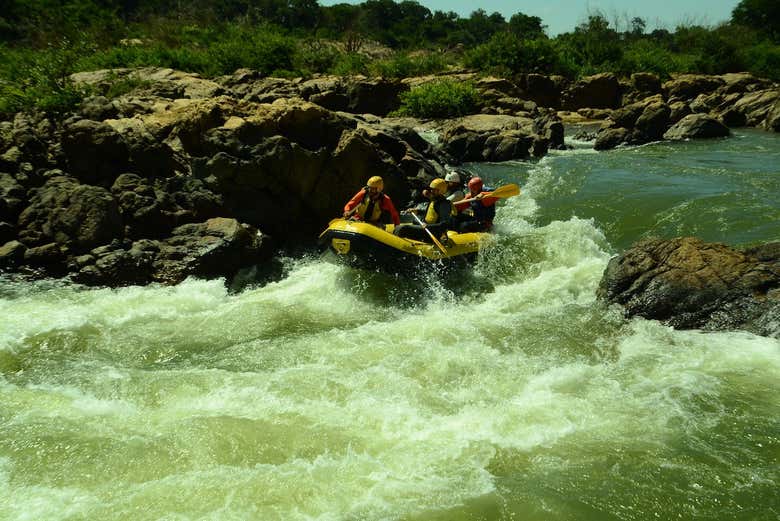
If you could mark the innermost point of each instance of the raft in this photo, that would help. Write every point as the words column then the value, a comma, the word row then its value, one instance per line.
column 367, row 246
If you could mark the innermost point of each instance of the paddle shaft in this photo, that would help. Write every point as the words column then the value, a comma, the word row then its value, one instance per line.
column 430, row 234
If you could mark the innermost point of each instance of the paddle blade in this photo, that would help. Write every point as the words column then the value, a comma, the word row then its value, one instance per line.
column 502, row 192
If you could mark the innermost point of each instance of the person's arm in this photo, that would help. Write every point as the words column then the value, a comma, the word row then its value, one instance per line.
column 455, row 196
column 390, row 208
column 354, row 202
column 488, row 201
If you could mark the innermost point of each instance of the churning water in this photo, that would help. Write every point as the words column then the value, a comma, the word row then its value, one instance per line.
column 333, row 394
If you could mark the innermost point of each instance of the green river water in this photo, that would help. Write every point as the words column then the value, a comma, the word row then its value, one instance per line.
column 508, row 393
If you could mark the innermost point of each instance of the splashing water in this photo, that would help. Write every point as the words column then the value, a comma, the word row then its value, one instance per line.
column 508, row 392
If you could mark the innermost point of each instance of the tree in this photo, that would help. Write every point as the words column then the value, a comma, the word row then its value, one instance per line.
column 482, row 26
column 593, row 44
column 761, row 15
column 638, row 26
column 528, row 27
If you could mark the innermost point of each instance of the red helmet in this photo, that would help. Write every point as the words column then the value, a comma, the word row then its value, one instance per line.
column 475, row 184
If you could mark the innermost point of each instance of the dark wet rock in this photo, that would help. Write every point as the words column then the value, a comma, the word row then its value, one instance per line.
column 98, row 108
column 11, row 254
column 757, row 106
column 596, row 114
column 742, row 82
column 679, row 110
column 688, row 283
column 688, row 86
column 13, row 198
column 11, row 159
column 7, row 232
column 733, row 118
column 499, row 137
column 653, row 121
column 49, row 255
column 143, row 209
column 116, row 266
column 598, row 91
column 646, row 83
column 610, row 138
column 95, row 153
column 374, row 96
column 218, row 247
column 542, row 90
column 70, row 214
column 772, row 121
column 697, row 126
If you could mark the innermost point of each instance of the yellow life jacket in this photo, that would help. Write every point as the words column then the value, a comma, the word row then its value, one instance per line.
column 431, row 216
column 376, row 212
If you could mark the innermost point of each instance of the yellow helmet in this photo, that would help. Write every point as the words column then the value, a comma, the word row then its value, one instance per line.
column 439, row 186
column 376, row 182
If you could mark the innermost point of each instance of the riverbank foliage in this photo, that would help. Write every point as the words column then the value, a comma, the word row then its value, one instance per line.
column 43, row 41
column 440, row 99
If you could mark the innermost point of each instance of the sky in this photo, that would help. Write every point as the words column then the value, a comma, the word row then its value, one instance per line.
column 563, row 15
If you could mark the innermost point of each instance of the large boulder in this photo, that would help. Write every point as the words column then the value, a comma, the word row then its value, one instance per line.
column 688, row 86
column 95, row 152
column 600, row 91
column 71, row 214
column 484, row 137
column 697, row 126
column 688, row 283
column 757, row 106
column 772, row 121
column 218, row 247
column 542, row 90
column 12, row 198
column 636, row 123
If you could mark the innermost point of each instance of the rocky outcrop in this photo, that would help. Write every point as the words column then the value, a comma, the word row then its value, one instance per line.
column 601, row 91
column 218, row 247
column 688, row 283
column 73, row 215
column 126, row 186
column 500, row 137
column 100, row 192
column 697, row 126
column 691, row 107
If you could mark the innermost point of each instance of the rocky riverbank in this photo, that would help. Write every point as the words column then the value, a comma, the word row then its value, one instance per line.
column 187, row 176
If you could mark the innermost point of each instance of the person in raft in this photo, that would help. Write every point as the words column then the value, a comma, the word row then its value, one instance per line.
column 372, row 205
column 437, row 215
column 478, row 214
column 454, row 188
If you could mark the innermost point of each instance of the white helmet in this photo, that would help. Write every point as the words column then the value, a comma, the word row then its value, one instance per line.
column 452, row 177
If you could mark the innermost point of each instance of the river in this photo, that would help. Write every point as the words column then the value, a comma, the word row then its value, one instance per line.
column 508, row 393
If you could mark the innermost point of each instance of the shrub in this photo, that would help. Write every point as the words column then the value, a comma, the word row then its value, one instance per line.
column 315, row 56
column 648, row 56
column 508, row 54
column 440, row 99
column 764, row 60
column 404, row 66
column 349, row 64
column 41, row 79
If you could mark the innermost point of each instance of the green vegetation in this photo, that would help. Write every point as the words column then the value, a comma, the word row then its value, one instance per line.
column 43, row 41
column 440, row 99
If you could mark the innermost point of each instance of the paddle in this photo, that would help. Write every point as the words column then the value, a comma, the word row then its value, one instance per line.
column 501, row 192
column 430, row 234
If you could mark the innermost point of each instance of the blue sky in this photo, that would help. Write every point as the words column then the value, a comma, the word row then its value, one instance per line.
column 563, row 15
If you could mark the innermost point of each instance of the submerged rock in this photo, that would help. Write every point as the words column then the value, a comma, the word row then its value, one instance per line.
column 688, row 283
